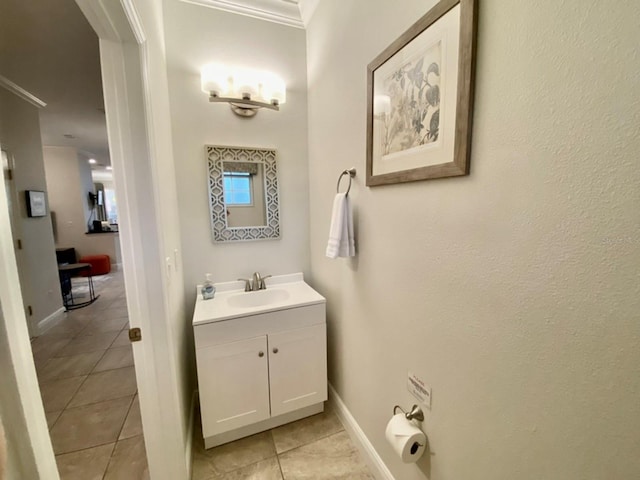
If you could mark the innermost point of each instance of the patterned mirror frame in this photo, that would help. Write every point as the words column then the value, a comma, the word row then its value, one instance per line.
column 216, row 155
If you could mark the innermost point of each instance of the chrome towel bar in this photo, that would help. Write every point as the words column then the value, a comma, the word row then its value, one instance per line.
column 352, row 173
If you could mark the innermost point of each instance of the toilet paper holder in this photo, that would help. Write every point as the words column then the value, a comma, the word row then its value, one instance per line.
column 416, row 413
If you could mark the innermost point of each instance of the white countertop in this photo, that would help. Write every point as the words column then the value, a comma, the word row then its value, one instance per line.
column 219, row 309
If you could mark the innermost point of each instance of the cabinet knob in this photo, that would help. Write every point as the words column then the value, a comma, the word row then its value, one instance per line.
column 275, row 350
column 261, row 354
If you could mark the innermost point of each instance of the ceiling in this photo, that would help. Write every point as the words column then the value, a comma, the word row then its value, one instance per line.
column 286, row 12
column 49, row 49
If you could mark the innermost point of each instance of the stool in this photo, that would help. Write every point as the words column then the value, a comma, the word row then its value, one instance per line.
column 100, row 264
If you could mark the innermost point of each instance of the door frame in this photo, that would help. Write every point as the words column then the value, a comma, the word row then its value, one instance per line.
column 124, row 60
column 14, row 214
column 124, row 63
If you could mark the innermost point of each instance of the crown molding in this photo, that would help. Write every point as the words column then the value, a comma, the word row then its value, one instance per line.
column 21, row 92
column 284, row 12
column 307, row 9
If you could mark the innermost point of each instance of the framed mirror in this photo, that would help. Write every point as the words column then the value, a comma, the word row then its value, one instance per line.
column 243, row 193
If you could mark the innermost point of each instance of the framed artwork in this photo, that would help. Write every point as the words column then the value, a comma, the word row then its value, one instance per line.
column 36, row 203
column 420, row 98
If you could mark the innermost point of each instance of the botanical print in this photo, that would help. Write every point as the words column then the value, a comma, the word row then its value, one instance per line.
column 412, row 118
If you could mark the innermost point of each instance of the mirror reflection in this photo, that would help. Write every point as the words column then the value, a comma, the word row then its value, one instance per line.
column 244, row 198
column 243, row 193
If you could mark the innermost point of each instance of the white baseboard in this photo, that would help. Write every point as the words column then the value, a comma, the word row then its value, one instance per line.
column 46, row 323
column 189, row 450
column 371, row 457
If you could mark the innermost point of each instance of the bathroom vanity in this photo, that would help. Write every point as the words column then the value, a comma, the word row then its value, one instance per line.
column 261, row 357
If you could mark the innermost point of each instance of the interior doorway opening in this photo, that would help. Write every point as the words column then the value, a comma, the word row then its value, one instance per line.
column 123, row 65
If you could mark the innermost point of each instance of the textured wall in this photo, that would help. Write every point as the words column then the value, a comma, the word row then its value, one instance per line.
column 69, row 183
column 514, row 291
column 196, row 36
column 20, row 136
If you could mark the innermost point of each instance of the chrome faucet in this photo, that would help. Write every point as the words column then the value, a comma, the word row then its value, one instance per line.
column 257, row 283
column 247, row 284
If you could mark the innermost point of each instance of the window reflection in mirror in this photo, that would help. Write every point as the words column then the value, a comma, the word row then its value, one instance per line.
column 243, row 181
column 244, row 195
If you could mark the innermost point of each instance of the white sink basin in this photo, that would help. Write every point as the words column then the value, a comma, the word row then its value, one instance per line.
column 257, row 299
column 231, row 301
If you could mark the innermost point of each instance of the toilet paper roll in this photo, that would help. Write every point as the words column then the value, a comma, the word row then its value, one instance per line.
column 408, row 441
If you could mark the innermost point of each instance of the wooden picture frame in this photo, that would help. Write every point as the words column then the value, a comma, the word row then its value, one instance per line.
column 36, row 203
column 420, row 98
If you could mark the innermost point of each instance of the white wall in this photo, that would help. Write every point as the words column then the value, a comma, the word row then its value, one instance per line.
column 514, row 291
column 69, row 183
column 67, row 195
column 29, row 450
column 196, row 36
column 20, row 136
column 168, row 218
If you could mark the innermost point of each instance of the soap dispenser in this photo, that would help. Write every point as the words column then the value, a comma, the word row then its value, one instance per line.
column 208, row 290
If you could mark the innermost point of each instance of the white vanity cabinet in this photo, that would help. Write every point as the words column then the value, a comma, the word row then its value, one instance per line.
column 259, row 371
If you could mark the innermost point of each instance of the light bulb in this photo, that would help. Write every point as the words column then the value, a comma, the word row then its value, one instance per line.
column 273, row 89
column 214, row 79
column 245, row 83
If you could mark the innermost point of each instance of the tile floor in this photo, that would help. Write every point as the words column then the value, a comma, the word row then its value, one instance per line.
column 88, row 386
column 314, row 448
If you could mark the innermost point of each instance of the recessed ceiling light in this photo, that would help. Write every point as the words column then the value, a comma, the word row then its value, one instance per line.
column 93, row 161
column 109, row 167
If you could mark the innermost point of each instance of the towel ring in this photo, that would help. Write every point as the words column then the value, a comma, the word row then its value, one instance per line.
column 352, row 173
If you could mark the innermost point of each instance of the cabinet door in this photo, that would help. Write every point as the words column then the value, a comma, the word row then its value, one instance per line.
column 297, row 368
column 234, row 384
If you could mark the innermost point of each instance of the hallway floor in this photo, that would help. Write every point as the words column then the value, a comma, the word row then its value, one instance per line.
column 88, row 386
column 314, row 448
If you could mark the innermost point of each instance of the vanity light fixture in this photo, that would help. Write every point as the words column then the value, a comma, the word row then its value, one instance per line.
column 246, row 90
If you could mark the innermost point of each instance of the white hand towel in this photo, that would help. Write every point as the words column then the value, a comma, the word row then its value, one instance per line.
column 341, row 241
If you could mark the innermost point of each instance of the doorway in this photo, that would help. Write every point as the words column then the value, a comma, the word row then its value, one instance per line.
column 161, row 395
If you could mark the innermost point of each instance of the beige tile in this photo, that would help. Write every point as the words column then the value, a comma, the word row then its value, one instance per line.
column 102, row 325
column 57, row 393
column 52, row 417
column 48, row 343
column 88, row 344
column 115, row 313
column 120, row 304
column 108, row 385
column 333, row 457
column 122, row 340
column 88, row 464
column 201, row 468
column 129, row 461
column 238, row 454
column 68, row 326
column 90, row 425
column 305, row 431
column 265, row 470
column 119, row 357
column 45, row 346
column 72, row 366
column 133, row 424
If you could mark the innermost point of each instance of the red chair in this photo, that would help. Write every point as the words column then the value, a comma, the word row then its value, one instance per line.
column 100, row 264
